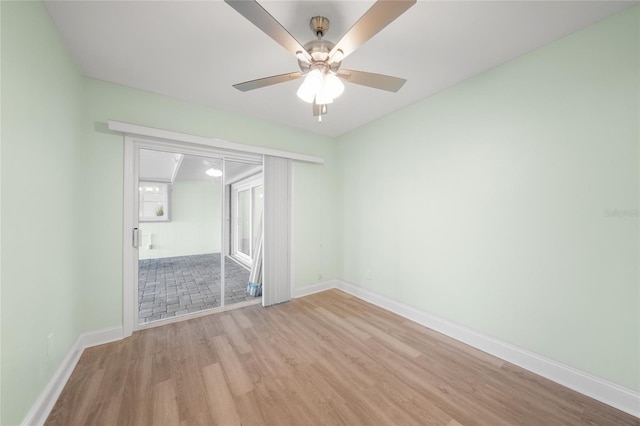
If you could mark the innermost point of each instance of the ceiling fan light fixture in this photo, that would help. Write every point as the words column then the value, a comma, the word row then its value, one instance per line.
column 320, row 59
column 321, row 86
column 315, row 80
column 311, row 86
column 333, row 86
column 305, row 93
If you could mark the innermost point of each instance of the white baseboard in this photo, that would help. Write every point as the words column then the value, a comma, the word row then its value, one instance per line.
column 100, row 337
column 315, row 288
column 42, row 407
column 610, row 393
column 40, row 410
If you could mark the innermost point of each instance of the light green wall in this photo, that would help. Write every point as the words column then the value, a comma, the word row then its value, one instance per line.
column 308, row 258
column 485, row 204
column 195, row 225
column 0, row 217
column 41, row 119
column 102, row 171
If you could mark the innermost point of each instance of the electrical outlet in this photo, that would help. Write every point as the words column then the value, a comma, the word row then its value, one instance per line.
column 50, row 347
column 368, row 274
column 319, row 276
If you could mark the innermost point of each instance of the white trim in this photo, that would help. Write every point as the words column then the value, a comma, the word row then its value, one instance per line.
column 135, row 129
column 176, row 168
column 198, row 314
column 40, row 410
column 247, row 184
column 292, row 252
column 316, row 288
column 89, row 339
column 178, row 147
column 129, row 253
column 587, row 384
column 223, row 225
column 251, row 172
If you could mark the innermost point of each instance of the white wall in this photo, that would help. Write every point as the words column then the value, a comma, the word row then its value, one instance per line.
column 195, row 225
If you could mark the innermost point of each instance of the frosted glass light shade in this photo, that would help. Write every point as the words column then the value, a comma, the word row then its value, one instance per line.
column 321, row 87
column 305, row 93
column 332, row 87
column 312, row 84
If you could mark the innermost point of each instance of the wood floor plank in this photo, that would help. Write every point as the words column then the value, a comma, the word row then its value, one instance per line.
column 106, row 411
column 165, row 408
column 134, row 408
column 202, row 344
column 235, row 373
column 241, row 319
column 360, row 403
column 248, row 410
column 325, row 359
column 234, row 332
column 427, row 335
column 220, row 401
column 271, row 401
column 343, row 323
column 389, row 340
column 77, row 402
column 187, row 378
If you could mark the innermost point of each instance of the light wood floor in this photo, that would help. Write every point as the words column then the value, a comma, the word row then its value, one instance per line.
column 326, row 359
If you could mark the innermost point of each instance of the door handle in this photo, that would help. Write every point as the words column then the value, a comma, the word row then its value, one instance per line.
column 135, row 237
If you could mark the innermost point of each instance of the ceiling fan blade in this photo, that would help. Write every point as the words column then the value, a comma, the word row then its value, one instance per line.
column 259, row 17
column 266, row 81
column 381, row 14
column 377, row 81
column 319, row 109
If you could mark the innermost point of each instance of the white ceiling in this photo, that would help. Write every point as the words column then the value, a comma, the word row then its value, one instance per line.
column 194, row 168
column 160, row 166
column 195, row 50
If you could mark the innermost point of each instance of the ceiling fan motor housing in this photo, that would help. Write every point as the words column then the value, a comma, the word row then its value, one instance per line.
column 319, row 49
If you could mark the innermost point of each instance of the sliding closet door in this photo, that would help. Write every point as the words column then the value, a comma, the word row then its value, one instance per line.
column 277, row 230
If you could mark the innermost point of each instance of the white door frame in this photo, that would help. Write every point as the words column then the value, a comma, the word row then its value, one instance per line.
column 137, row 132
column 236, row 187
column 132, row 146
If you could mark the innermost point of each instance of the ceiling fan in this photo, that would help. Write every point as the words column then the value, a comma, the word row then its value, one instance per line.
column 320, row 60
